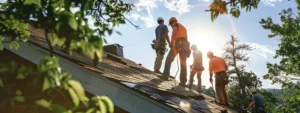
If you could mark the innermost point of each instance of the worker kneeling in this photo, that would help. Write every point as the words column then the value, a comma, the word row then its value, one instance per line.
column 218, row 66
column 197, row 67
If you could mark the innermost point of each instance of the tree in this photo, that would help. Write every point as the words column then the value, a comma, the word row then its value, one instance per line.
column 65, row 24
column 286, row 72
column 249, row 80
column 234, row 54
column 218, row 7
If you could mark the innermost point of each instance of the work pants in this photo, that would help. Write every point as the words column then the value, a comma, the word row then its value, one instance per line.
column 193, row 72
column 183, row 68
column 220, row 88
column 158, row 60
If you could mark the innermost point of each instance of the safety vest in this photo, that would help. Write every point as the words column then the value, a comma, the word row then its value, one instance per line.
column 181, row 32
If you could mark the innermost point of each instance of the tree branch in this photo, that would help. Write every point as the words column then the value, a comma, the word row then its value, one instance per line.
column 48, row 42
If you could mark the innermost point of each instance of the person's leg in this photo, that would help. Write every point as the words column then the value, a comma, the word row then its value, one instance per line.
column 183, row 69
column 219, row 90
column 193, row 72
column 225, row 95
column 158, row 61
column 199, row 80
column 169, row 60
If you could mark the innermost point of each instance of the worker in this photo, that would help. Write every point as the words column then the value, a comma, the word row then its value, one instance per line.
column 218, row 66
column 179, row 45
column 257, row 102
column 161, row 32
column 196, row 67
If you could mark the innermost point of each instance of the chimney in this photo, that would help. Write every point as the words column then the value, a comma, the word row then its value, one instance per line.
column 115, row 49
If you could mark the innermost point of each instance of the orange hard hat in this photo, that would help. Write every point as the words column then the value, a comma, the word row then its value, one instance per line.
column 172, row 19
column 210, row 54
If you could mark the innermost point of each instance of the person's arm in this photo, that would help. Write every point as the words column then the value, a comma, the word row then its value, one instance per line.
column 226, row 67
column 167, row 35
column 251, row 105
column 210, row 71
column 173, row 35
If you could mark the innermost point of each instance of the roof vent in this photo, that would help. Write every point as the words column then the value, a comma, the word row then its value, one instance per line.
column 115, row 49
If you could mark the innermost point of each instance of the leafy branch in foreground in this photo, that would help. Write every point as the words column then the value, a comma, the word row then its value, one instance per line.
column 46, row 89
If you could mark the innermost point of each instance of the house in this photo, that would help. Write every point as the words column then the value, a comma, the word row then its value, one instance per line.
column 131, row 87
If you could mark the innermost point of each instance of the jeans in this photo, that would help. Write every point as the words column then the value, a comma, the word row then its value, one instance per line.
column 193, row 72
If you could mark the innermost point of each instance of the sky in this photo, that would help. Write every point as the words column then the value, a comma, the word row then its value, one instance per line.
column 207, row 35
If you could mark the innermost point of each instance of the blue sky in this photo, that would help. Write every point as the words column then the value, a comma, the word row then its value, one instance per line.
column 208, row 35
column 202, row 31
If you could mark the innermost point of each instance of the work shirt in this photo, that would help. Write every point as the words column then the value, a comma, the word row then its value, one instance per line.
column 179, row 31
column 197, row 58
column 259, row 102
column 217, row 64
column 160, row 31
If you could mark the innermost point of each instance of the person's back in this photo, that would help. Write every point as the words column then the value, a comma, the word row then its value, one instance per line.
column 160, row 31
column 217, row 64
column 197, row 54
column 259, row 102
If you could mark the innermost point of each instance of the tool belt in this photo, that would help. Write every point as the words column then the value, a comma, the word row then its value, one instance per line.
column 224, row 77
column 183, row 46
column 160, row 46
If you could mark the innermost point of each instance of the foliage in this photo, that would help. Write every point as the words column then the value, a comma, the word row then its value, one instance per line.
column 65, row 24
column 218, row 7
column 48, row 89
column 286, row 72
column 234, row 54
column 209, row 91
column 250, row 80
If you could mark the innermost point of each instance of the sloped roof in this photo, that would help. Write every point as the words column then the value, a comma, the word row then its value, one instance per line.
column 140, row 79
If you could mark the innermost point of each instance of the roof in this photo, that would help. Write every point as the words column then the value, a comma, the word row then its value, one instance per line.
column 138, row 78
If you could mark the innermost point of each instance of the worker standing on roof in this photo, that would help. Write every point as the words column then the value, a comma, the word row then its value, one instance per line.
column 257, row 102
column 161, row 33
column 197, row 67
column 179, row 44
column 218, row 66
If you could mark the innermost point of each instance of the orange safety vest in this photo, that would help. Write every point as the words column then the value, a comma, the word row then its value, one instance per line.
column 181, row 32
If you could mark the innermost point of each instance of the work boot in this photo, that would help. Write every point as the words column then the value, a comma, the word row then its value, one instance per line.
column 163, row 78
column 157, row 71
column 181, row 84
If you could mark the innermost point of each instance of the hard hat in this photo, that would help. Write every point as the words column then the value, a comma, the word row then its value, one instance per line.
column 172, row 19
column 159, row 18
column 193, row 47
column 253, row 90
column 210, row 54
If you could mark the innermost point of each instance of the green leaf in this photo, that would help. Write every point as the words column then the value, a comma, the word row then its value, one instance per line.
column 3, row 69
column 43, row 103
column 102, row 107
column 58, row 108
column 1, row 46
column 91, row 110
column 74, row 97
column 108, row 103
column 19, row 98
column 14, row 45
column 33, row 2
column 73, row 23
column 46, row 84
column 78, row 89
column 1, row 83
column 20, row 76
column 18, row 92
